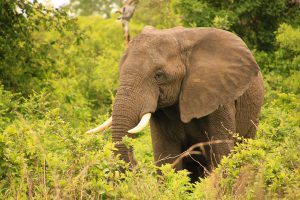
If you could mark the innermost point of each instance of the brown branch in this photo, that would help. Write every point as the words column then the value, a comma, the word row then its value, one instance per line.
column 44, row 178
column 184, row 154
column 205, row 169
column 126, row 12
column 29, row 183
column 190, row 151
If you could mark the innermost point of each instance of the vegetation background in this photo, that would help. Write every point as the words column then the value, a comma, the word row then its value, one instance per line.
column 58, row 78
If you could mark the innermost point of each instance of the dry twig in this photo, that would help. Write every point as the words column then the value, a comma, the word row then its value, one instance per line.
column 191, row 151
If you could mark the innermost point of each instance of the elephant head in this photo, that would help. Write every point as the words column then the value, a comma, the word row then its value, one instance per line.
column 196, row 69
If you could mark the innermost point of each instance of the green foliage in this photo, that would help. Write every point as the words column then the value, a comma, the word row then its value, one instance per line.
column 282, row 67
column 24, row 61
column 157, row 13
column 44, row 157
column 91, row 7
column 79, row 80
column 8, row 105
column 254, row 21
column 289, row 38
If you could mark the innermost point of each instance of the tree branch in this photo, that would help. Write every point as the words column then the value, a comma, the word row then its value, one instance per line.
column 127, row 12
column 191, row 151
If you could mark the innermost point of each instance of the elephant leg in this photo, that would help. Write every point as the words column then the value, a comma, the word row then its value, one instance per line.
column 165, row 135
column 196, row 165
column 248, row 108
column 219, row 125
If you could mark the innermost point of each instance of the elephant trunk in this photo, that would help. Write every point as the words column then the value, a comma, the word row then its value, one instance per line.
column 129, row 107
column 125, row 116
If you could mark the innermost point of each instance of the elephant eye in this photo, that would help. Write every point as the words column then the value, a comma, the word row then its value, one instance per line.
column 159, row 76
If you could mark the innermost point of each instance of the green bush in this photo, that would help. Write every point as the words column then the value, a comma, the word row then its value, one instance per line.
column 24, row 61
column 44, row 157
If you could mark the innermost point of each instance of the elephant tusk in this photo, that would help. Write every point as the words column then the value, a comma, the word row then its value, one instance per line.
column 143, row 123
column 102, row 127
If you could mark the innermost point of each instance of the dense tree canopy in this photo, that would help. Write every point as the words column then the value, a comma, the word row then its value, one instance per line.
column 254, row 21
column 25, row 62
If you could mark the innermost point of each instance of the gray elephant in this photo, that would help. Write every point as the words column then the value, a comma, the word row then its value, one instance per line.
column 194, row 85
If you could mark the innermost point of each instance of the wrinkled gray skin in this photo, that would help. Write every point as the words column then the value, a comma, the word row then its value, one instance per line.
column 197, row 83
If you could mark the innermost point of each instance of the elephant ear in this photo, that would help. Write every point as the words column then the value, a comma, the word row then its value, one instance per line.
column 219, row 68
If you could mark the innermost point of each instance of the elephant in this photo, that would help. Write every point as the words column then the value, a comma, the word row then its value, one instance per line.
column 194, row 85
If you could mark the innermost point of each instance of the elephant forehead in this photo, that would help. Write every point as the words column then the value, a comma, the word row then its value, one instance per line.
column 147, row 52
column 137, row 62
column 142, row 62
column 152, row 42
column 148, row 59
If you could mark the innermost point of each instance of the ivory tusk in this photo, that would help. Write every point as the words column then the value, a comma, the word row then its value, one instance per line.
column 102, row 127
column 143, row 123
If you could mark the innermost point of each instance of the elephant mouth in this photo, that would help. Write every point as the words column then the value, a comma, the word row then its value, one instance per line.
column 142, row 124
column 137, row 115
column 165, row 101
